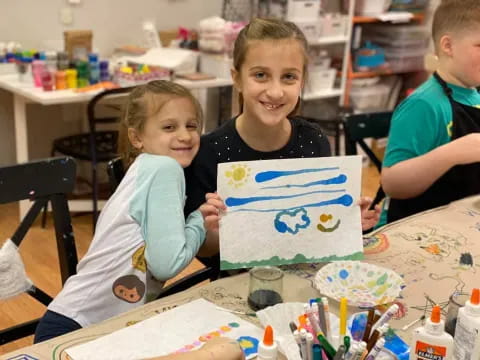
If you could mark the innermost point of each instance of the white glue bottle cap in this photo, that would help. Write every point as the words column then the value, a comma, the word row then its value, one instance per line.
column 268, row 348
column 472, row 306
column 435, row 325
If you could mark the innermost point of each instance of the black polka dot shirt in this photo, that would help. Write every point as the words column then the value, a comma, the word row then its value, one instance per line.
column 224, row 144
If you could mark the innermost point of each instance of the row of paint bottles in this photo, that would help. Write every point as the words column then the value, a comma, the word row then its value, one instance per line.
column 467, row 331
column 431, row 341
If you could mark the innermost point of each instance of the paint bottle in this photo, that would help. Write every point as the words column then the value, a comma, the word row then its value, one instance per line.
column 467, row 331
column 431, row 341
column 94, row 68
column 268, row 348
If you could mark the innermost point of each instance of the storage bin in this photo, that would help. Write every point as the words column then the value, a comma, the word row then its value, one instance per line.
column 217, row 65
column 373, row 97
column 371, row 7
column 311, row 29
column 321, row 80
column 406, row 63
column 397, row 35
column 303, row 10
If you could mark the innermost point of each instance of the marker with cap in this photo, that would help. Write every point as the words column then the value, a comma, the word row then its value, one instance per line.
column 303, row 344
column 268, row 348
column 340, row 352
column 309, row 346
column 387, row 315
column 376, row 349
column 317, row 352
column 326, row 310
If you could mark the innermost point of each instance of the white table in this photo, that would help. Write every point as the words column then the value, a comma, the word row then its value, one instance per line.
column 24, row 93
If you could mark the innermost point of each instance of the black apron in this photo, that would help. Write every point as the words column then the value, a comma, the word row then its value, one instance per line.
column 457, row 183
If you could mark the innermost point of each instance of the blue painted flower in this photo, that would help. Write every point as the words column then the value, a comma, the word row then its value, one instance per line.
column 291, row 221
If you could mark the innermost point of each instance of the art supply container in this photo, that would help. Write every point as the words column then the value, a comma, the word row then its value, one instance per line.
column 457, row 300
column 47, row 80
column 60, row 80
column 71, row 75
column 266, row 287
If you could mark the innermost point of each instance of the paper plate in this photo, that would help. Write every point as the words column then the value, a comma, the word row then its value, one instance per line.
column 363, row 284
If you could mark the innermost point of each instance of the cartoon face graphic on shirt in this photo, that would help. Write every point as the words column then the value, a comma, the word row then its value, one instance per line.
column 129, row 288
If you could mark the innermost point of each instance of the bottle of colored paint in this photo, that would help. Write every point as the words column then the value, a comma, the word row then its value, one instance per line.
column 467, row 331
column 431, row 341
column 268, row 348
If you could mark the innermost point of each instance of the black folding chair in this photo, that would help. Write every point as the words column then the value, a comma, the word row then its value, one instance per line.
column 96, row 146
column 116, row 171
column 41, row 181
column 359, row 127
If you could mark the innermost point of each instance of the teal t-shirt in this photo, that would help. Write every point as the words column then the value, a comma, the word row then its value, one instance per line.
column 423, row 121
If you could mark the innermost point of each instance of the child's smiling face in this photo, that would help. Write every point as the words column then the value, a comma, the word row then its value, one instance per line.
column 271, row 79
column 172, row 131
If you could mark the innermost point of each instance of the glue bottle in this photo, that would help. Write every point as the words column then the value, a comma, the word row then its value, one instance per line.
column 268, row 348
column 431, row 341
column 467, row 331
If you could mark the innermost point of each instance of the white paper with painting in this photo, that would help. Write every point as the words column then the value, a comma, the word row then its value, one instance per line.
column 179, row 330
column 290, row 211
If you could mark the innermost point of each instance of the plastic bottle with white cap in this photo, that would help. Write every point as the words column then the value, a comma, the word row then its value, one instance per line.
column 431, row 341
column 467, row 330
column 268, row 348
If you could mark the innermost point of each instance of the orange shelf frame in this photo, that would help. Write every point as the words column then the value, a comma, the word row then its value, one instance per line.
column 369, row 19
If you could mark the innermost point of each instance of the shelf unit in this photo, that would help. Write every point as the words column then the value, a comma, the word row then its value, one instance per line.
column 332, row 40
column 351, row 74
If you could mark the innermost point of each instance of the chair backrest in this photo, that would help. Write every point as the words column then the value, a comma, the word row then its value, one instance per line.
column 359, row 127
column 104, row 96
column 116, row 172
column 41, row 181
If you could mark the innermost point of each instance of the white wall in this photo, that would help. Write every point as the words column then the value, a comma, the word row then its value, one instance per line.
column 36, row 24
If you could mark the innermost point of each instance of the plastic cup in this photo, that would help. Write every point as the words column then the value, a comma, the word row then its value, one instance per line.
column 266, row 287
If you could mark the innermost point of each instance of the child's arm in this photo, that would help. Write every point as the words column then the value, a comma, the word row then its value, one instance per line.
column 171, row 242
column 219, row 348
column 211, row 211
column 412, row 177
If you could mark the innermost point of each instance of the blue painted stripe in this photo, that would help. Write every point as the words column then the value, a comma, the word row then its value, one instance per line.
column 232, row 201
column 345, row 200
column 340, row 179
column 270, row 175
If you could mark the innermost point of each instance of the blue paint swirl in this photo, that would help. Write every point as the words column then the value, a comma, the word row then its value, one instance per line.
column 340, row 179
column 270, row 175
column 232, row 201
column 282, row 227
column 345, row 200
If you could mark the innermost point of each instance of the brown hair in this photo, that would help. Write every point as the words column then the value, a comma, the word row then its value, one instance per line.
column 143, row 102
column 453, row 16
column 267, row 29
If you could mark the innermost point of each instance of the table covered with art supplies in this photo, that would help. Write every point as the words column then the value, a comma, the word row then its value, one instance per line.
column 408, row 267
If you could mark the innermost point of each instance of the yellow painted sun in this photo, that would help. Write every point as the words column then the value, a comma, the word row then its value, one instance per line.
column 238, row 175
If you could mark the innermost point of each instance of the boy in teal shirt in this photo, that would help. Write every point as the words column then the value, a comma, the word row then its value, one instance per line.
column 433, row 151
